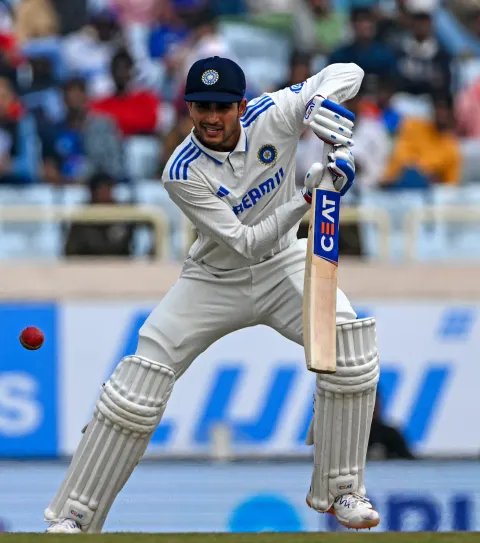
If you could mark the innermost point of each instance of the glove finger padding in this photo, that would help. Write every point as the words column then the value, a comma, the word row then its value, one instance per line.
column 331, row 122
column 330, row 133
column 334, row 115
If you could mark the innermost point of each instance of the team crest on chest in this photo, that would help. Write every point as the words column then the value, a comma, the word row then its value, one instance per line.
column 210, row 77
column 267, row 154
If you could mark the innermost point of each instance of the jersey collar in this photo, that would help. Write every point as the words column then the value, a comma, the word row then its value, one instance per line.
column 219, row 157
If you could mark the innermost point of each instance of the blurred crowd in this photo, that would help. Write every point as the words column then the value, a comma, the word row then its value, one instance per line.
column 85, row 84
column 94, row 87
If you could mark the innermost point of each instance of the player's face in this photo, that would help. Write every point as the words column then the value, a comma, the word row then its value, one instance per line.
column 217, row 125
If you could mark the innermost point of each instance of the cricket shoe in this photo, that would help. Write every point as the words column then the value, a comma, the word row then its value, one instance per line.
column 64, row 526
column 353, row 511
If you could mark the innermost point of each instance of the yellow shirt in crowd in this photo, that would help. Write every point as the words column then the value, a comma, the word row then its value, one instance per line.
column 422, row 146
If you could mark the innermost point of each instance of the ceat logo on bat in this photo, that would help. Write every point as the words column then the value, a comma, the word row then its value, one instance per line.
column 326, row 223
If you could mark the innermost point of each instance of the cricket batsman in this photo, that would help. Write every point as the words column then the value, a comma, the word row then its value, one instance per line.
column 234, row 178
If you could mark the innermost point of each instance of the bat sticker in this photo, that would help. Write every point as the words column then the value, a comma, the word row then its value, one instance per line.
column 326, row 221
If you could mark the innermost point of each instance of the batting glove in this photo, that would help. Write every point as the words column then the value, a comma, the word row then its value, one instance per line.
column 341, row 165
column 331, row 122
column 312, row 180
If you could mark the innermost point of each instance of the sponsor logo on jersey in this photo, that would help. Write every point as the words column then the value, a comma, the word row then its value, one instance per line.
column 267, row 154
column 297, row 87
column 251, row 198
column 210, row 77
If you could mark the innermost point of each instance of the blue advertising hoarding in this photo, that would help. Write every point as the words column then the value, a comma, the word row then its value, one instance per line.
column 28, row 382
column 253, row 381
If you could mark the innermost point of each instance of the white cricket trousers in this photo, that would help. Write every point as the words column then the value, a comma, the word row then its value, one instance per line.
column 206, row 304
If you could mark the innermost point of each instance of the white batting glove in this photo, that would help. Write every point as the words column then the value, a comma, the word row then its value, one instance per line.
column 341, row 165
column 330, row 121
column 312, row 180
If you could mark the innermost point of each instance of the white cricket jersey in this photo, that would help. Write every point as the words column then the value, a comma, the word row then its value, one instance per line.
column 244, row 203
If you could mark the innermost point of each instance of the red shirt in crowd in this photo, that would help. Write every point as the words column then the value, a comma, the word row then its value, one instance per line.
column 135, row 112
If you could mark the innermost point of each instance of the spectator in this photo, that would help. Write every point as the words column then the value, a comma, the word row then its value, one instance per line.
column 371, row 140
column 181, row 129
column 423, row 64
column 392, row 118
column 88, row 52
column 229, row 7
column 100, row 239
column 426, row 151
column 168, row 30
column 134, row 11
column 393, row 24
column 82, row 142
column 35, row 19
column 299, row 69
column 317, row 27
column 10, row 54
column 467, row 111
column 18, row 143
column 375, row 57
column 136, row 112
column 386, row 442
column 204, row 41
column 71, row 15
column 190, row 8
column 38, row 86
column 271, row 6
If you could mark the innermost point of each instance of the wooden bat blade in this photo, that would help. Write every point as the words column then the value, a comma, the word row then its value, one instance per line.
column 320, row 289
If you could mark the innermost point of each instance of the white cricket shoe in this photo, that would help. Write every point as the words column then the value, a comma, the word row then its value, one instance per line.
column 355, row 511
column 64, row 526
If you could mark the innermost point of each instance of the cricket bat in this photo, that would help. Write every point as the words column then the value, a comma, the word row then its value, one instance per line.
column 320, row 288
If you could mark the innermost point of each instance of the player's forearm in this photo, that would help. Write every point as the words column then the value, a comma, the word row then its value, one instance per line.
column 337, row 82
column 257, row 240
column 216, row 219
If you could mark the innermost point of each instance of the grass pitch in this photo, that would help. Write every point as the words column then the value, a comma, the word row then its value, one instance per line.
column 318, row 537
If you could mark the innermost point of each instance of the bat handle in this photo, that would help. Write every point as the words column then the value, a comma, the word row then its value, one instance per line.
column 327, row 179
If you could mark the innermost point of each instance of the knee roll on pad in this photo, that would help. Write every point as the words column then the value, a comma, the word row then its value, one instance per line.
column 343, row 411
column 128, row 411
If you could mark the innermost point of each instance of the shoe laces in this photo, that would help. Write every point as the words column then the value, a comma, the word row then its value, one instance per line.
column 353, row 499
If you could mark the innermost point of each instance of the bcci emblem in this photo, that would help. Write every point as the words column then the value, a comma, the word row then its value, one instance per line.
column 267, row 154
column 297, row 87
column 210, row 77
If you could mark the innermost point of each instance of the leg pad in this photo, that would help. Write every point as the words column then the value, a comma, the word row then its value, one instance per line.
column 128, row 411
column 343, row 411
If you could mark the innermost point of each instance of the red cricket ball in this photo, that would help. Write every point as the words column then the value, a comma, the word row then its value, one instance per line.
column 32, row 338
